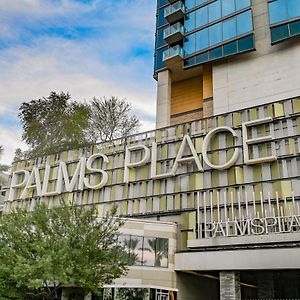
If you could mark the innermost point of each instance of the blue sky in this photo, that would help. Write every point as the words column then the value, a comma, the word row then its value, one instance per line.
column 86, row 47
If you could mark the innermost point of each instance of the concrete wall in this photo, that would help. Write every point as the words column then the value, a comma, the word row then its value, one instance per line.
column 258, row 259
column 270, row 73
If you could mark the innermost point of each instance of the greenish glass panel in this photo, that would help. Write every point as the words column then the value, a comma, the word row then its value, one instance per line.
column 201, row 58
column 295, row 28
column 246, row 43
column 279, row 33
column 215, row 53
column 230, row 48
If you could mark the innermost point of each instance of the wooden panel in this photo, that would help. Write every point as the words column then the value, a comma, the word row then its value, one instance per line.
column 186, row 95
column 207, row 82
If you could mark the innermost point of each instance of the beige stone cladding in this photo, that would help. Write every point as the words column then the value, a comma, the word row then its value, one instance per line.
column 262, row 76
column 139, row 276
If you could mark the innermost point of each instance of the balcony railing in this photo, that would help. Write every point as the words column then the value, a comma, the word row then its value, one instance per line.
column 173, row 52
column 174, row 12
column 174, row 33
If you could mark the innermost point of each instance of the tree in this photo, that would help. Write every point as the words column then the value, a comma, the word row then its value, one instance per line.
column 18, row 155
column 44, row 250
column 53, row 124
column 3, row 168
column 110, row 119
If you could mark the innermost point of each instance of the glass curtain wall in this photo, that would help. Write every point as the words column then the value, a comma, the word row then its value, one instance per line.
column 148, row 251
column 284, row 18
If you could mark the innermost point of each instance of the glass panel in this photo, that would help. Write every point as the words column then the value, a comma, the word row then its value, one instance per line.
column 190, row 61
column 295, row 28
column 202, row 16
column 229, row 29
column 190, row 21
column 189, row 44
column 277, row 11
column 246, row 43
column 201, row 39
column 293, row 8
column 189, row 4
column 160, row 38
column 131, row 294
column 215, row 53
column 161, row 19
column 215, row 34
column 244, row 22
column 108, row 294
column 228, row 7
column 240, row 4
column 201, row 58
column 149, row 252
column 136, row 249
column 159, row 58
column 162, row 2
column 230, row 48
column 124, row 240
column 198, row 2
column 214, row 11
column 279, row 33
column 161, row 253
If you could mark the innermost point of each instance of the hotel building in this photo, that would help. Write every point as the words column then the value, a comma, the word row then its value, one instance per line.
column 212, row 196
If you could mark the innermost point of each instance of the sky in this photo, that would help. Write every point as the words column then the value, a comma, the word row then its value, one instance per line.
column 89, row 48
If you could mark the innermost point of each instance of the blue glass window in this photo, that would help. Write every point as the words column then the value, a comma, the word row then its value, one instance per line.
column 219, row 32
column 159, row 58
column 228, row 7
column 277, row 11
column 202, row 16
column 240, row 4
column 190, row 21
column 293, row 9
column 229, row 29
column 189, row 44
column 215, row 34
column 214, row 11
column 160, row 38
column 201, row 39
column 283, row 10
column 161, row 18
column 244, row 22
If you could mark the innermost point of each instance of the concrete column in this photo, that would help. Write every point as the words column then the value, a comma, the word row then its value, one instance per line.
column 265, row 286
column 163, row 102
column 230, row 287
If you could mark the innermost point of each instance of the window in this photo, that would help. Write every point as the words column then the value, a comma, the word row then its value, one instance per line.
column 283, row 15
column 215, row 34
column 213, row 12
column 229, row 29
column 221, row 32
column 228, row 7
column 148, row 251
column 283, row 10
column 240, row 45
column 244, row 22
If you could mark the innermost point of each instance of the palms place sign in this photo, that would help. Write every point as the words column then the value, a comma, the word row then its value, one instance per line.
column 25, row 180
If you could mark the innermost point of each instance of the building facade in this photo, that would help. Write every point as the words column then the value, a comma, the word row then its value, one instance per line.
column 212, row 196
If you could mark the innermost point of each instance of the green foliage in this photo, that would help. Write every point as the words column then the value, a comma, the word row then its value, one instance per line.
column 110, row 119
column 46, row 249
column 53, row 124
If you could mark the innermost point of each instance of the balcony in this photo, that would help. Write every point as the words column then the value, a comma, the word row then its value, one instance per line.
column 173, row 56
column 174, row 12
column 174, row 33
